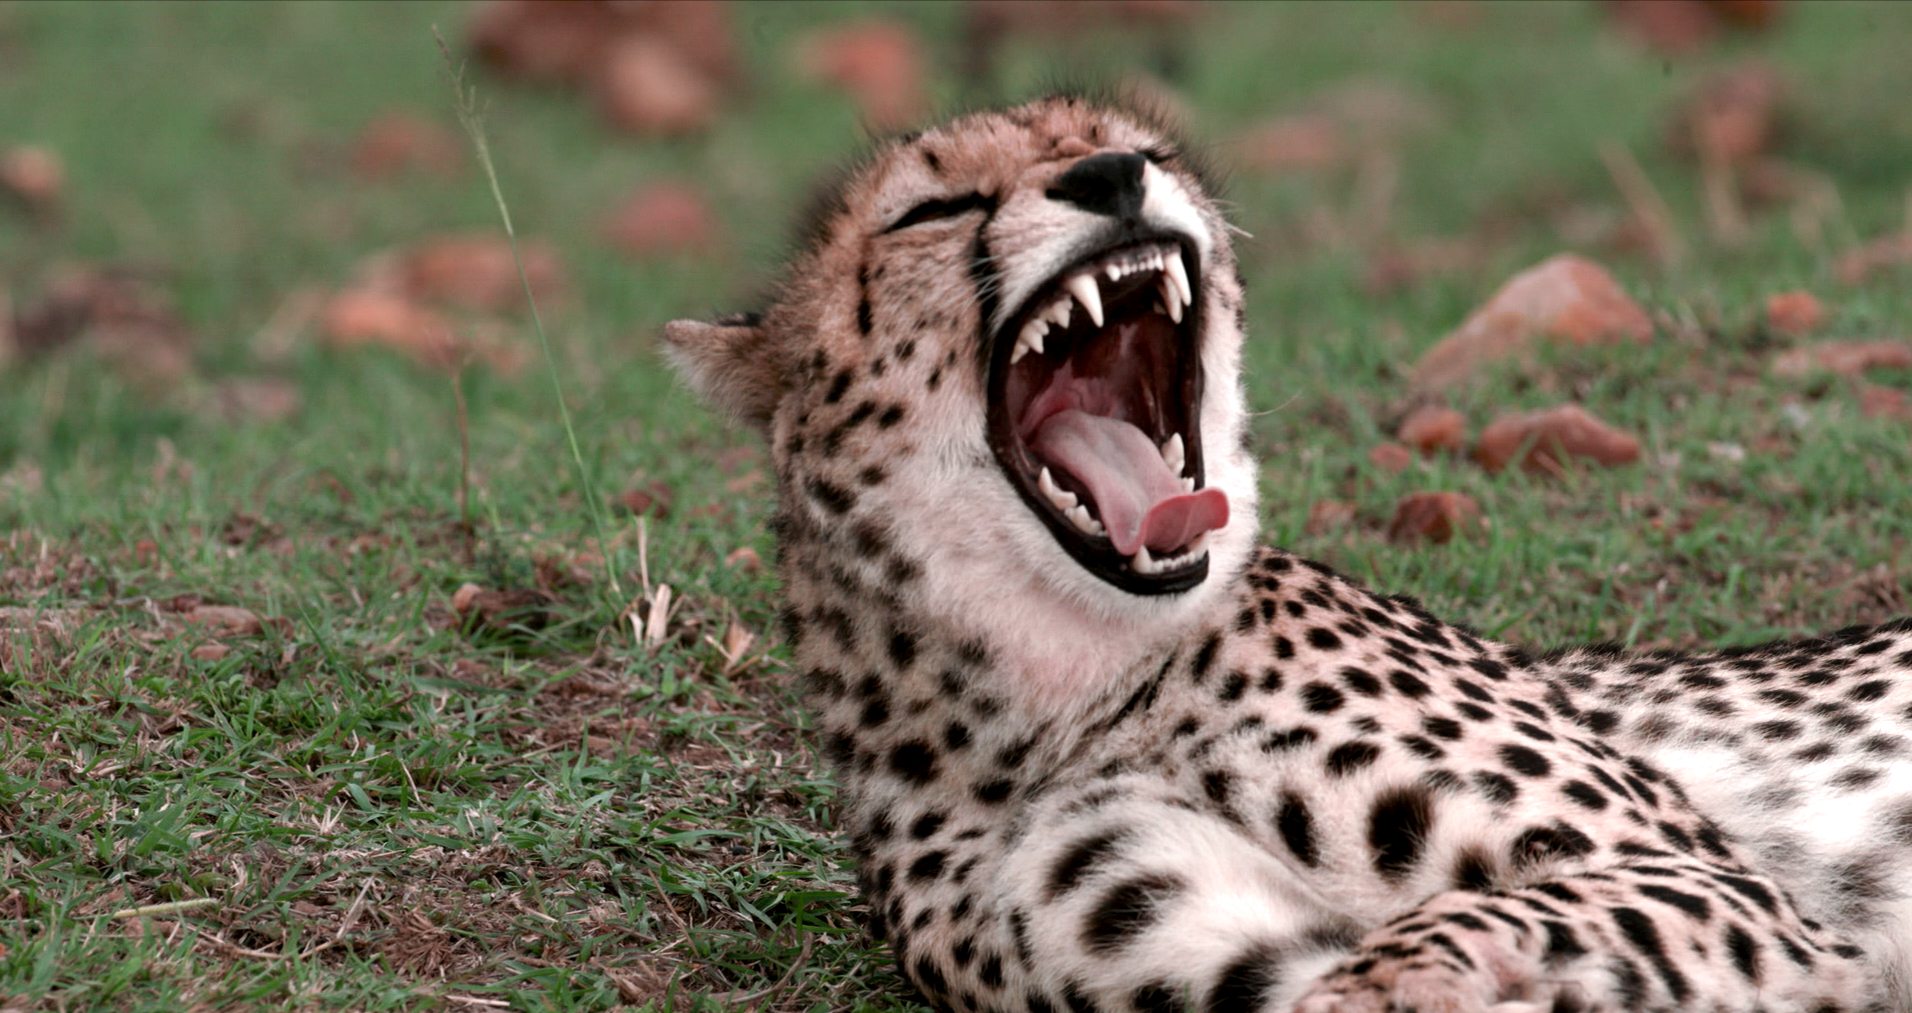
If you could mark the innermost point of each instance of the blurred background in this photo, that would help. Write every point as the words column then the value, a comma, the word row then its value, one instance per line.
column 1579, row 320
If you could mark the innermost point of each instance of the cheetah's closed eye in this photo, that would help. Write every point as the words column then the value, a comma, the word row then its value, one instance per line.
column 1098, row 751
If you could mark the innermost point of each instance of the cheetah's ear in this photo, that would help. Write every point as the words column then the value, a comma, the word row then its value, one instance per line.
column 730, row 362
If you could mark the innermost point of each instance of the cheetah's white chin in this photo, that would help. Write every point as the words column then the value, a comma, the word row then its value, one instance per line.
column 1094, row 413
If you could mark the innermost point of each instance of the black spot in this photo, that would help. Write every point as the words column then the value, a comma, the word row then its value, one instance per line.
column 1296, row 825
column 1498, row 788
column 890, row 417
column 1585, row 794
column 1695, row 907
column 903, row 648
column 929, row 866
column 1407, row 683
column 1245, row 982
column 1473, row 870
column 926, row 826
column 1523, row 760
column 1081, row 858
column 1562, row 945
column 1204, row 657
column 1127, row 910
column 833, row 498
column 1284, row 648
column 1293, row 738
column 1744, row 951
column 993, row 792
column 1752, row 890
column 1645, row 937
column 914, row 761
column 1397, row 828
column 1442, row 728
column 1322, row 638
column 1156, row 997
column 1558, row 840
column 1490, row 668
column 839, row 385
column 1533, row 732
column 1233, row 686
column 1322, row 698
column 1349, row 757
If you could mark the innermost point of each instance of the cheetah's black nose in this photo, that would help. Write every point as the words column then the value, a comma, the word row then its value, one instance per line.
column 1106, row 184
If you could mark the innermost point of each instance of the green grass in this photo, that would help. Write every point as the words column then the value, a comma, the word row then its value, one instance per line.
column 390, row 809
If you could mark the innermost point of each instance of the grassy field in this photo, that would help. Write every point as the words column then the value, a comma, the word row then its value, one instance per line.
column 366, row 801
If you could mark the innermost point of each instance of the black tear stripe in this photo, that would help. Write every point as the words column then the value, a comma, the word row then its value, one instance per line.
column 863, row 321
column 984, row 276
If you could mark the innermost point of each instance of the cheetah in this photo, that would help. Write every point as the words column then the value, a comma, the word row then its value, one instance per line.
column 1098, row 750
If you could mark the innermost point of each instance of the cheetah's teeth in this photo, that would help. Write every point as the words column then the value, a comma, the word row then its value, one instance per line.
column 1079, row 516
column 1063, row 499
column 1188, row 484
column 1173, row 454
column 1173, row 270
column 1171, row 297
column 1144, row 562
column 1086, row 292
column 1030, row 340
column 1058, row 312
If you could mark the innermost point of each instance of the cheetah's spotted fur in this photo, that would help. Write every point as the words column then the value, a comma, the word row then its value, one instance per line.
column 1249, row 783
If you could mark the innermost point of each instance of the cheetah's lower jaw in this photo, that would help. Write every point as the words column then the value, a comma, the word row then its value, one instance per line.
column 1138, row 499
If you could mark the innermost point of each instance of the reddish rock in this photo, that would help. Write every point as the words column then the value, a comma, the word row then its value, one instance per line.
column 1876, row 402
column 1847, row 358
column 565, row 42
column 34, row 177
column 1564, row 298
column 356, row 318
column 1683, row 26
column 1549, row 441
column 1434, row 428
column 473, row 272
column 1433, row 517
column 398, row 142
column 1391, row 457
column 225, row 620
column 1875, row 257
column 648, row 86
column 663, row 219
column 880, row 65
column 1795, row 313
column 1302, row 142
column 1732, row 117
column 653, row 499
column 1328, row 515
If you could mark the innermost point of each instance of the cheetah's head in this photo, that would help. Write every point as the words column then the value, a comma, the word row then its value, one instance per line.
column 1011, row 353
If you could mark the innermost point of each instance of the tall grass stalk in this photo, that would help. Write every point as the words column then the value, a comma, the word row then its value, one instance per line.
column 465, row 103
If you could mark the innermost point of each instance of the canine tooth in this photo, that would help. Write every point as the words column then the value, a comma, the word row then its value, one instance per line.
column 1172, row 298
column 1188, row 484
column 1062, row 499
column 1084, row 288
column 1173, row 269
column 1142, row 562
column 1173, row 454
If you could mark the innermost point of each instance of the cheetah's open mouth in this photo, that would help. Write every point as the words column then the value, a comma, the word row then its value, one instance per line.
column 1094, row 389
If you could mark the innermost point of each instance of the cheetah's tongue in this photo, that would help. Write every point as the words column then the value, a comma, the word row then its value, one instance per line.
column 1137, row 498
